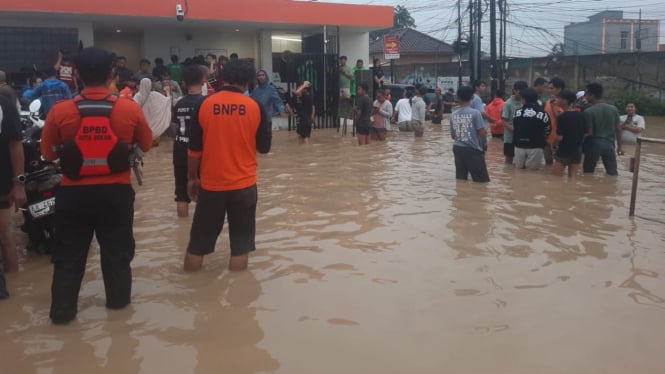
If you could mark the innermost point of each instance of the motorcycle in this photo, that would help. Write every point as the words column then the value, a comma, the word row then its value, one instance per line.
column 42, row 181
column 32, row 116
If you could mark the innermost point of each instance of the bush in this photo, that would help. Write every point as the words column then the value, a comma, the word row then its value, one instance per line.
column 646, row 105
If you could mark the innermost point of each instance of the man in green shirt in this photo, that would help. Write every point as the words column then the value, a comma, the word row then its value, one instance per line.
column 175, row 69
column 603, row 128
column 509, row 107
column 359, row 66
column 345, row 103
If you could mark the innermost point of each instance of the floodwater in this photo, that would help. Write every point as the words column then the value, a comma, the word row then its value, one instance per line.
column 375, row 260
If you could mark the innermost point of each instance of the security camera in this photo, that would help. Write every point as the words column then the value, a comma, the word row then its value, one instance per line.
column 179, row 13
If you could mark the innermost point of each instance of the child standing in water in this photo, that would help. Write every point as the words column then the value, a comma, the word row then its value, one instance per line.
column 570, row 134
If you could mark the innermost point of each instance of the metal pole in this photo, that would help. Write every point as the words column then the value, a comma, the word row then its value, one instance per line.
column 493, row 62
column 472, row 42
column 325, row 78
column 638, row 44
column 502, row 40
column 636, row 173
column 459, row 42
column 479, row 36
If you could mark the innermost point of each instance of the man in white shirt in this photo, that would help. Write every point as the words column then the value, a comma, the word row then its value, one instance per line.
column 632, row 124
column 403, row 112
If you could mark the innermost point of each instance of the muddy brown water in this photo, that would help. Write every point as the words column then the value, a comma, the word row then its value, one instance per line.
column 375, row 260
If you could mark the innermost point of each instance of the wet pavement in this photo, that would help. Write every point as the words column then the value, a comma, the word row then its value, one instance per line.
column 375, row 260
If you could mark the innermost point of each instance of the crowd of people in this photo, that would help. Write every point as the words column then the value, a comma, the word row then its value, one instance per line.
column 92, row 135
column 216, row 139
column 540, row 125
column 559, row 128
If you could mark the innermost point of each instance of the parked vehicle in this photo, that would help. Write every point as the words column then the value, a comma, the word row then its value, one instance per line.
column 41, row 183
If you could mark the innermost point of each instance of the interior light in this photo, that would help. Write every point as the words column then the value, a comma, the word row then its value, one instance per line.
column 286, row 39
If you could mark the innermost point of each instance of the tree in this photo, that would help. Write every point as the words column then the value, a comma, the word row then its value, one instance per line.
column 402, row 18
column 557, row 50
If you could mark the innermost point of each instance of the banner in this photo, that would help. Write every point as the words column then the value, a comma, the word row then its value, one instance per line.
column 391, row 47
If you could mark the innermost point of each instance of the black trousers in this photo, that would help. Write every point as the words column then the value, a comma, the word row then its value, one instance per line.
column 81, row 211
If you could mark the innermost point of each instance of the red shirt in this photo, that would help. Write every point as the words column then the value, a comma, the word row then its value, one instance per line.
column 67, row 74
column 63, row 121
column 494, row 109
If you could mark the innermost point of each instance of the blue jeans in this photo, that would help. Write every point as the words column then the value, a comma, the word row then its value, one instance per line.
column 595, row 148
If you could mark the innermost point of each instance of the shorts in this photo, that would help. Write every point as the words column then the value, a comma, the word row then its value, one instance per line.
column 570, row 159
column 180, row 174
column 362, row 130
column 470, row 161
column 404, row 126
column 530, row 158
column 509, row 149
column 211, row 210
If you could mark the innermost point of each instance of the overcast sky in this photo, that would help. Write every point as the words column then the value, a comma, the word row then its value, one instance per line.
column 534, row 25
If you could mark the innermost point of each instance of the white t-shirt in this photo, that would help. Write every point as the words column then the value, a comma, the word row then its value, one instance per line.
column 403, row 109
column 629, row 137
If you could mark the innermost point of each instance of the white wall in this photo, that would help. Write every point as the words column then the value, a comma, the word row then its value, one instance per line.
column 158, row 43
column 122, row 44
column 354, row 45
column 85, row 28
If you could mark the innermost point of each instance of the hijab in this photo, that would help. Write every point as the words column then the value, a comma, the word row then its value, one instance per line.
column 156, row 108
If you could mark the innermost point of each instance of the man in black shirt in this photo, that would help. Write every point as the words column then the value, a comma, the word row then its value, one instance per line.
column 184, row 113
column 532, row 126
column 448, row 101
column 363, row 111
column 570, row 134
column 377, row 75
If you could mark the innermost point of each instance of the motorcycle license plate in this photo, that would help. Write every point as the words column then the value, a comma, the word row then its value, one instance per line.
column 42, row 208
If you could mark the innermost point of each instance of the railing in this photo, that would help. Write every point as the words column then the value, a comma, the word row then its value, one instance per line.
column 636, row 169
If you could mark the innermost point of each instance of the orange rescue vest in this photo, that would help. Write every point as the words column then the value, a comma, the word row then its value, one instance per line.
column 95, row 149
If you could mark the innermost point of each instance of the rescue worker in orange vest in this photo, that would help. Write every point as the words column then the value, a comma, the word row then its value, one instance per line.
column 92, row 135
column 224, row 138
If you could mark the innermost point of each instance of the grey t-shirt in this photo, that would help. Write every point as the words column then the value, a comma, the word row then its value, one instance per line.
column 464, row 125
column 418, row 109
column 477, row 104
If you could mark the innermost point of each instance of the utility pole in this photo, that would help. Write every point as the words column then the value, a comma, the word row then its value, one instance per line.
column 479, row 19
column 638, row 44
column 459, row 44
column 493, row 60
column 472, row 42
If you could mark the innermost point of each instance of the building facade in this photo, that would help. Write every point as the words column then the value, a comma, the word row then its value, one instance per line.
column 32, row 31
column 609, row 32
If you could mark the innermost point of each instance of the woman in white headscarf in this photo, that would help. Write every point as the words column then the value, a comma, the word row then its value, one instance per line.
column 156, row 108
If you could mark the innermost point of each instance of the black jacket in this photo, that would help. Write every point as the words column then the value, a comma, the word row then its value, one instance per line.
column 532, row 126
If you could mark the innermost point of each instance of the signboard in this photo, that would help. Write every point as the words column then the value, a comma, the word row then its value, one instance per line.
column 391, row 47
column 451, row 82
